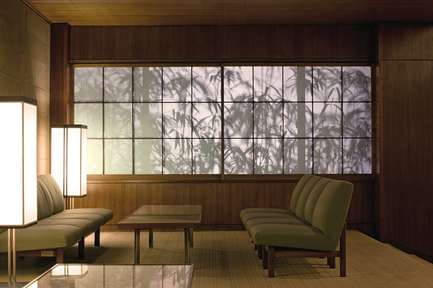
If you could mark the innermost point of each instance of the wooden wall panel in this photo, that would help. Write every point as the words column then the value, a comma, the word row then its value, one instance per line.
column 253, row 43
column 406, row 69
column 60, row 98
column 221, row 201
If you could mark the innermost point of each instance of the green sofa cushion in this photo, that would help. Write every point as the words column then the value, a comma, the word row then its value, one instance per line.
column 259, row 215
column 43, row 237
column 53, row 190
column 331, row 209
column 45, row 203
column 274, row 220
column 97, row 219
column 293, row 236
column 85, row 225
column 313, row 197
column 297, row 191
column 255, row 210
column 302, row 199
column 104, row 214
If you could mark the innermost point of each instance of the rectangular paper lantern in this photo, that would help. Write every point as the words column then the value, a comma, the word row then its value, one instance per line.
column 18, row 165
column 69, row 159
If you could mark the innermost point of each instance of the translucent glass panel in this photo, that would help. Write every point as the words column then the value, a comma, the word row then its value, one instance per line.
column 88, row 84
column 357, row 83
column 118, row 84
column 207, row 156
column 297, row 83
column 177, row 156
column 357, row 119
column 298, row 120
column 147, row 120
column 268, row 83
column 268, row 156
column 327, row 83
column 327, row 156
column 238, row 83
column 327, row 119
column 118, row 156
column 206, row 84
column 147, row 84
column 118, row 120
column 95, row 156
column 357, row 156
column 91, row 116
column 268, row 119
column 238, row 120
column 176, row 84
column 206, row 120
column 177, row 120
column 298, row 156
column 148, row 156
column 238, row 156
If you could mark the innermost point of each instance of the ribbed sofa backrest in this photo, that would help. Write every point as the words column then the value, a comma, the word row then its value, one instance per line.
column 322, row 202
column 45, row 203
column 332, row 207
column 52, row 190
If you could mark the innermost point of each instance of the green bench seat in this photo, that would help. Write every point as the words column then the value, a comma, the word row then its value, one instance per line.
column 313, row 222
column 57, row 228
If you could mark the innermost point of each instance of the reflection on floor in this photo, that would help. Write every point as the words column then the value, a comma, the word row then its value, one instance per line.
column 226, row 259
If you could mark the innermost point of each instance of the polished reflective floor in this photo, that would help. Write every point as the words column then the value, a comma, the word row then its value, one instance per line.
column 114, row 276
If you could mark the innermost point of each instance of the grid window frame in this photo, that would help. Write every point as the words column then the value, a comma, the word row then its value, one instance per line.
column 222, row 138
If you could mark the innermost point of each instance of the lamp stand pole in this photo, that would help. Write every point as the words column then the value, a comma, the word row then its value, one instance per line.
column 69, row 202
column 12, row 258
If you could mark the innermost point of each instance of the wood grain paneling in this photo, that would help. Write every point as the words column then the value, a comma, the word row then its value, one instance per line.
column 221, row 200
column 252, row 43
column 406, row 69
column 60, row 98
column 199, row 12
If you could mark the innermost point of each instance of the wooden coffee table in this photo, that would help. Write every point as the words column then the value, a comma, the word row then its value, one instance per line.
column 150, row 217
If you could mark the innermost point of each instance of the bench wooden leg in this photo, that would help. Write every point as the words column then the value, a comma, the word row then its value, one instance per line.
column 343, row 253
column 265, row 259
column 98, row 238
column 150, row 238
column 270, row 257
column 260, row 251
column 331, row 262
column 59, row 256
column 81, row 249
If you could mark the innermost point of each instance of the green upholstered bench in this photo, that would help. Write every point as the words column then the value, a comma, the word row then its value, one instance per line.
column 312, row 226
column 57, row 228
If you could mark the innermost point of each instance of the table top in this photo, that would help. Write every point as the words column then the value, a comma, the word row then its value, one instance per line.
column 114, row 276
column 149, row 216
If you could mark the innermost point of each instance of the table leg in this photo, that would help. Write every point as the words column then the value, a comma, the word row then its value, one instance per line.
column 191, row 237
column 187, row 244
column 136, row 246
column 150, row 238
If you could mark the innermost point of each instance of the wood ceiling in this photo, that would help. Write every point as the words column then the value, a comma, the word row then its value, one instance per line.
column 226, row 12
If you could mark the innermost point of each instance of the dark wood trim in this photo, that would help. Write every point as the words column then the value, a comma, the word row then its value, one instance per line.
column 131, row 179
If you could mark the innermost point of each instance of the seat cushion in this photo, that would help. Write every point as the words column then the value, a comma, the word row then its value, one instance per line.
column 41, row 237
column 247, row 217
column 255, row 210
column 106, row 214
column 291, row 236
column 273, row 220
column 96, row 218
column 87, row 226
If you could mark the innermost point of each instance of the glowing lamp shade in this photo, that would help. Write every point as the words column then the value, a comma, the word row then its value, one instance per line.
column 69, row 159
column 18, row 192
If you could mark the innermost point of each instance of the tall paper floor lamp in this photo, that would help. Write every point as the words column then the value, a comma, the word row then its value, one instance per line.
column 69, row 159
column 18, row 170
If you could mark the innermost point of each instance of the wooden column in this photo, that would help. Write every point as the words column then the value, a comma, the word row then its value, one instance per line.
column 60, row 100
